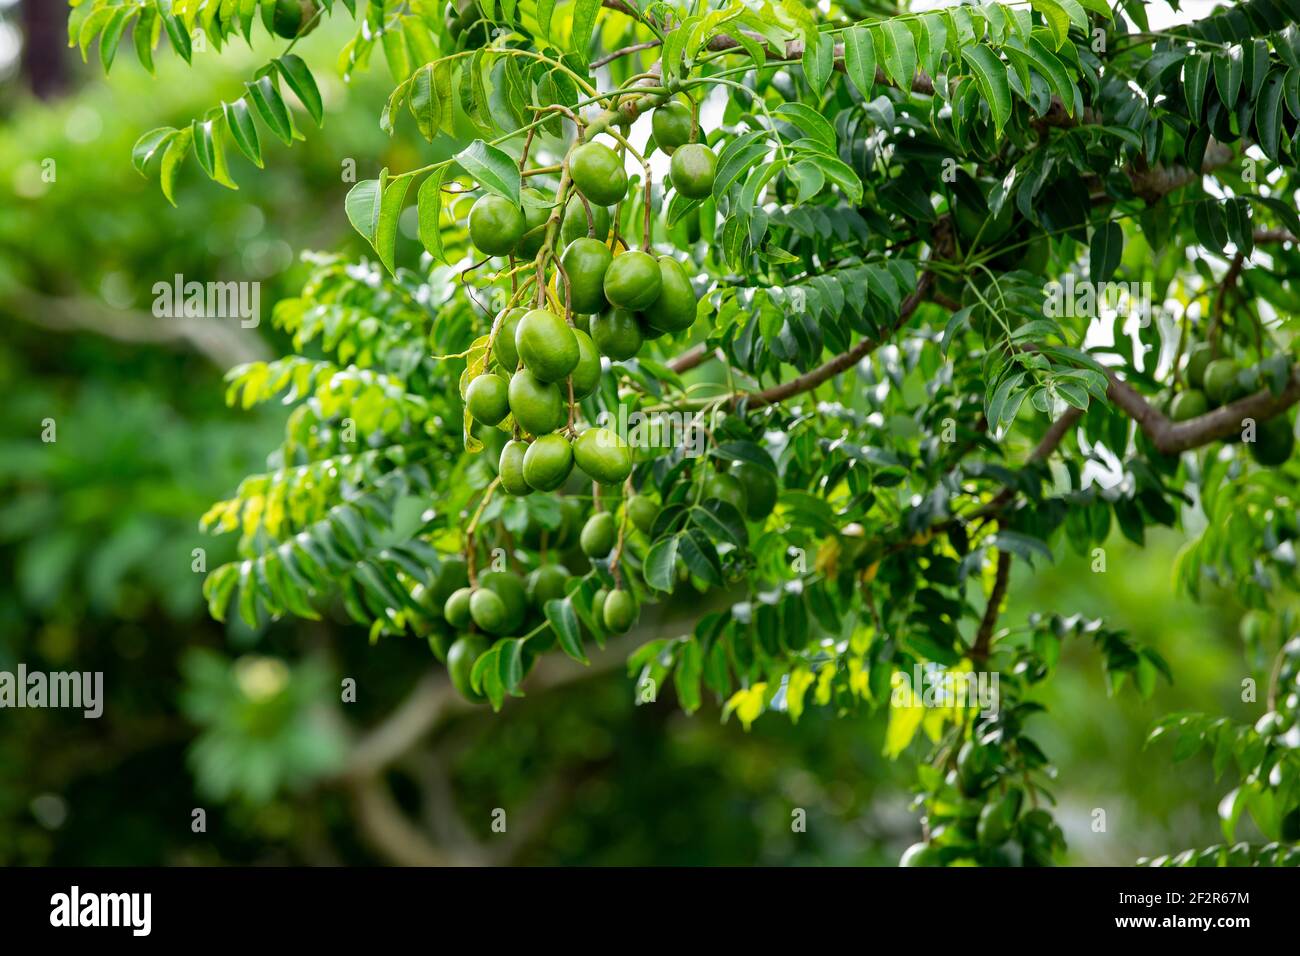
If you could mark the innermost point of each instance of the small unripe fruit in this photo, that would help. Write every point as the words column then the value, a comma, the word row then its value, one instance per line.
column 457, row 608
column 599, row 535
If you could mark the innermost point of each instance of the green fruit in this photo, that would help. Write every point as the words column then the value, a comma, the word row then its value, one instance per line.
column 760, row 489
column 290, row 16
column 457, row 610
column 509, row 587
column 548, row 462
column 692, row 170
column 972, row 767
column 574, row 225
column 539, row 407
column 488, row 398
column 726, row 488
column 586, row 374
column 511, row 469
column 1221, row 380
column 460, row 664
column 440, row 643
column 617, row 333
column 599, row 535
column 535, row 215
column 619, row 612
column 997, row 819
column 642, row 512
column 598, row 173
column 550, row 582
column 1274, row 441
column 633, row 281
column 920, row 854
column 674, row 309
column 603, row 456
column 1198, row 359
column 1190, row 404
column 671, row 124
column 546, row 345
column 598, row 606
column 503, row 342
column 452, row 574
column 495, row 225
column 585, row 262
column 488, row 610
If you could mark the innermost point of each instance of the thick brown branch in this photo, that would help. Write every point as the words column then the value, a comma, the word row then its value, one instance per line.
column 984, row 637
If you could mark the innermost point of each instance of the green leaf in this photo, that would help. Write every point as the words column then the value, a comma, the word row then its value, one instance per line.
column 1056, row 18
column 992, row 78
column 239, row 119
column 495, row 171
column 300, row 80
column 210, row 150
column 270, row 107
column 818, row 59
column 661, row 564
column 564, row 621
column 860, row 59
column 1268, row 114
column 1227, row 76
column 1196, row 76
column 149, row 145
column 808, row 120
column 429, row 200
column 584, row 22
column 177, row 35
column 898, row 50
column 1106, row 251
column 373, row 207
column 177, row 146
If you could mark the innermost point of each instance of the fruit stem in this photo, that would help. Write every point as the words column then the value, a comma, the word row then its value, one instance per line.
column 473, row 526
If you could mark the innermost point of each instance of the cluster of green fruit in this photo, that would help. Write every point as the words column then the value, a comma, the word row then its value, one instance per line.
column 1212, row 382
column 499, row 603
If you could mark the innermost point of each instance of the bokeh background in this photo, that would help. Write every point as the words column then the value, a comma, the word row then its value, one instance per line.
column 97, row 532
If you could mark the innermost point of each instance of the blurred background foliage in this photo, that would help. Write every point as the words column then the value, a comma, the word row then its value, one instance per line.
column 97, row 571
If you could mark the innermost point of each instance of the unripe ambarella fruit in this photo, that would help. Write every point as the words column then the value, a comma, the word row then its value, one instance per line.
column 575, row 224
column 598, row 173
column 457, row 608
column 585, row 262
column 599, row 535
column 488, row 398
column 674, row 309
column 460, row 664
column 495, row 224
column 510, row 468
column 487, row 610
column 586, row 374
column 547, row 345
column 671, row 125
column 548, row 462
column 617, row 333
column 633, row 281
column 603, row 456
column 503, row 339
column 692, row 170
column 539, row 407
column 620, row 611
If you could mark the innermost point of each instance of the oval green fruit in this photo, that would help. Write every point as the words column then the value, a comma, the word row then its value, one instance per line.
column 548, row 462
column 674, row 309
column 290, row 16
column 537, row 209
column 495, row 225
column 599, row 535
column 509, row 587
column 642, row 512
column 585, row 262
column 460, row 664
column 692, row 170
column 1198, row 360
column 539, row 407
column 511, row 469
column 598, row 173
column 547, row 583
column 456, row 610
column 488, row 398
column 617, row 333
column 546, row 345
column 586, row 374
column 1189, row 404
column 488, row 610
column 598, row 606
column 1274, row 441
column 760, row 488
column 920, row 854
column 503, row 339
column 451, row 576
column 1221, row 381
column 603, row 456
column 576, row 226
column 671, row 124
column 619, row 612
column 633, row 281
column 726, row 488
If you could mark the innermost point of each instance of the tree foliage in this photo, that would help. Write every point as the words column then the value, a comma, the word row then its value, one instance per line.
column 908, row 361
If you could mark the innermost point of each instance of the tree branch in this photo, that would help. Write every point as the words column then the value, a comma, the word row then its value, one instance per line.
column 984, row 637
